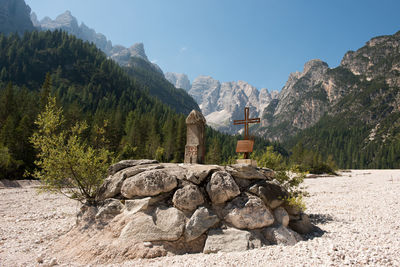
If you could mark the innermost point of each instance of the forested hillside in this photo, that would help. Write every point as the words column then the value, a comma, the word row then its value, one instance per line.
column 89, row 87
column 362, row 128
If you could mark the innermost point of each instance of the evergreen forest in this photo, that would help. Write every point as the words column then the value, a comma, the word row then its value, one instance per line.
column 91, row 88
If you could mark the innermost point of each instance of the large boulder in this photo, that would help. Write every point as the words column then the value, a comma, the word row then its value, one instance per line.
column 281, row 216
column 135, row 205
column 111, row 186
column 148, row 183
column 197, row 173
column 128, row 163
column 271, row 193
column 231, row 239
column 270, row 174
column 222, row 187
column 248, row 212
column 176, row 170
column 282, row 236
column 164, row 224
column 244, row 171
column 188, row 198
column 201, row 220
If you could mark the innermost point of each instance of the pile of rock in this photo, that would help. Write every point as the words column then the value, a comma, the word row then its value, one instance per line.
column 184, row 208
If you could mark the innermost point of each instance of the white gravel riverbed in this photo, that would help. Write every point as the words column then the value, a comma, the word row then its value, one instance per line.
column 358, row 214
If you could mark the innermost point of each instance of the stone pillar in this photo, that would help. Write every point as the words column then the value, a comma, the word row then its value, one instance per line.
column 195, row 149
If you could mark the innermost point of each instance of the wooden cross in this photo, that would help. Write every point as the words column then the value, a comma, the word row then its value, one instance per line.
column 245, row 145
column 246, row 122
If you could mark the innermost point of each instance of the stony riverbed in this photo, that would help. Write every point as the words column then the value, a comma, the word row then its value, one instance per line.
column 358, row 213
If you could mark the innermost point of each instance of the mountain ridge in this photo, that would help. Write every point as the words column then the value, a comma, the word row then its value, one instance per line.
column 133, row 59
column 223, row 102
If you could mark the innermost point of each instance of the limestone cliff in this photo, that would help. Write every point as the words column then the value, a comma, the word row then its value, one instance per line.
column 319, row 90
column 224, row 102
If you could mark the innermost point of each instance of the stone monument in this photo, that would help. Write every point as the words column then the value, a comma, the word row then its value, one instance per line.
column 195, row 146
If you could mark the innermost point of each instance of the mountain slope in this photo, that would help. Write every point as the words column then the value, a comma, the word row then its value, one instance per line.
column 361, row 129
column 89, row 87
column 133, row 58
column 14, row 17
column 145, row 73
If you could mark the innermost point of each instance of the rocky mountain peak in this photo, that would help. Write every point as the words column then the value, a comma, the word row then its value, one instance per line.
column 205, row 87
column 67, row 22
column 179, row 80
column 248, row 89
column 64, row 21
column 137, row 50
column 376, row 59
column 66, row 18
column 315, row 65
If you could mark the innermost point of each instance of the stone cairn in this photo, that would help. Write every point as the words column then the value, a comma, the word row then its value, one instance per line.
column 167, row 208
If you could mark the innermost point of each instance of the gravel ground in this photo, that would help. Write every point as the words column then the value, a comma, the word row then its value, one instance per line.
column 358, row 214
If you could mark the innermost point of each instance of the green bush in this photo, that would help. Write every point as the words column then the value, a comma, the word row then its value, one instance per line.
column 66, row 163
column 290, row 178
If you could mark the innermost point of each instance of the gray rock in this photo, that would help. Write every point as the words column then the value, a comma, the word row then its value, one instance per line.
column 243, row 183
column 196, row 173
column 272, row 194
column 231, row 239
column 110, row 208
column 163, row 225
column 270, row 174
column 281, row 236
column 135, row 205
column 201, row 220
column 113, row 183
column 303, row 225
column 128, row 163
column 244, row 171
column 281, row 216
column 188, row 198
column 176, row 169
column 148, row 183
column 248, row 212
column 222, row 187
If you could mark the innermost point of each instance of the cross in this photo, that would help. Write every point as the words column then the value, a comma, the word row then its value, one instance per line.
column 246, row 122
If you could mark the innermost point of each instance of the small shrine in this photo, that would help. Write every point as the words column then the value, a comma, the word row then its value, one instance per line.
column 195, row 145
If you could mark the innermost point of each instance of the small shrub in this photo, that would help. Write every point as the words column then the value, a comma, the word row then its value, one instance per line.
column 290, row 178
column 66, row 162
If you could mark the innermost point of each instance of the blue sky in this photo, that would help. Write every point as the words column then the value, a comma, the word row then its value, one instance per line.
column 257, row 41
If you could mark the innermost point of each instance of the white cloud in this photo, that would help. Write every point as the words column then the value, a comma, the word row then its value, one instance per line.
column 183, row 49
column 154, row 61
